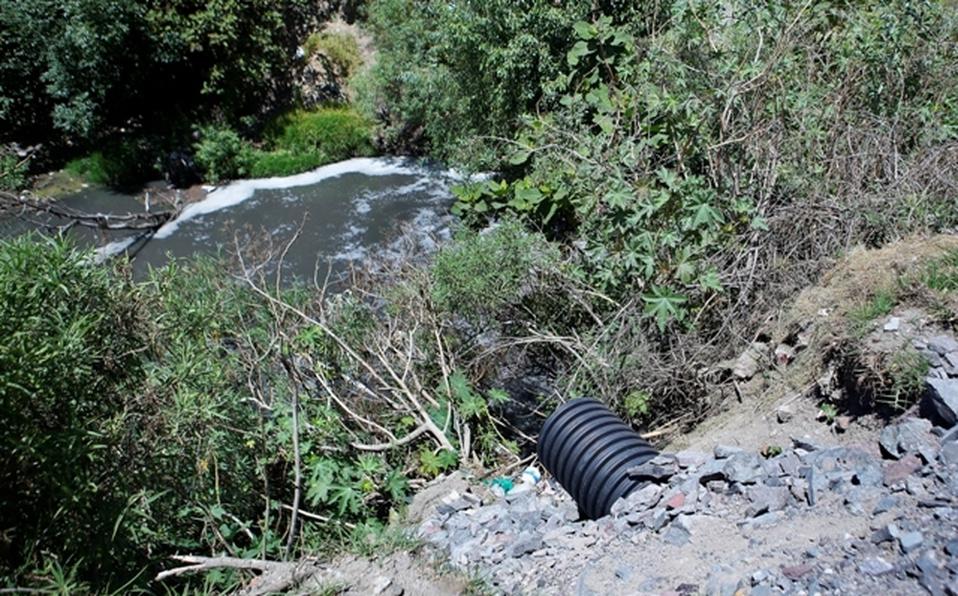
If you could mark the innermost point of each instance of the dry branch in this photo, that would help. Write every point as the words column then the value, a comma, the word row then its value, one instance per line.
column 23, row 204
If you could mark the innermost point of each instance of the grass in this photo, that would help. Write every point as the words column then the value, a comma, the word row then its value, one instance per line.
column 301, row 140
column 880, row 304
column 941, row 275
column 282, row 162
column 91, row 168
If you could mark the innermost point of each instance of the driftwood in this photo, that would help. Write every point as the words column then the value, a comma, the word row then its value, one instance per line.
column 275, row 576
column 24, row 204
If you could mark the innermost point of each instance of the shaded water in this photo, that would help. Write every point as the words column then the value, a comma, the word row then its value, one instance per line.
column 348, row 211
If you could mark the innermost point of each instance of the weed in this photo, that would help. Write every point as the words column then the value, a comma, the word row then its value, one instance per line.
column 880, row 304
column 906, row 373
column 829, row 411
column 941, row 275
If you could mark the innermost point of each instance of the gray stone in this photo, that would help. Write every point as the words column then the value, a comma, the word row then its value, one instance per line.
column 691, row 459
column 764, row 520
column 948, row 455
column 952, row 358
column 886, row 533
column 933, row 359
column 658, row 469
column 892, row 324
column 941, row 400
column 914, row 486
column 760, row 591
column 759, row 576
column 884, row 504
column 910, row 436
column 942, row 344
column 909, row 541
column 744, row 468
column 788, row 463
column 726, row 451
column 952, row 547
column 765, row 499
column 784, row 414
column 805, row 443
column 677, row 535
column 928, row 564
column 659, row 519
column 868, row 474
column 638, row 500
column 875, row 566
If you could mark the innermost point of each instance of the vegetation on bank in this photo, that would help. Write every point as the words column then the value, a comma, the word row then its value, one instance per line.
column 293, row 142
column 177, row 414
column 127, row 90
column 667, row 177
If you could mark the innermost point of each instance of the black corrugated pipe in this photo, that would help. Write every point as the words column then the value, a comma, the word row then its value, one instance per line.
column 588, row 449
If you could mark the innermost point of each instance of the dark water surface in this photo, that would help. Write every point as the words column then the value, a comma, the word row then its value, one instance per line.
column 347, row 212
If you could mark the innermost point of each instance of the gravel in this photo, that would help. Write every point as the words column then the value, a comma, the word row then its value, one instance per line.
column 735, row 515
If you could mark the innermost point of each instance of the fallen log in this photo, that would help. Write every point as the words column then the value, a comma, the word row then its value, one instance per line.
column 276, row 576
column 20, row 205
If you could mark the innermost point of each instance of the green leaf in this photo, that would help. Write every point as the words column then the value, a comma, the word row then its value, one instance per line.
column 498, row 396
column 705, row 215
column 584, row 30
column 710, row 281
column 519, row 157
column 396, row 485
column 664, row 305
column 578, row 51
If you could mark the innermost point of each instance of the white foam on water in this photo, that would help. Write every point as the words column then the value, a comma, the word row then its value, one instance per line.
column 242, row 190
column 108, row 250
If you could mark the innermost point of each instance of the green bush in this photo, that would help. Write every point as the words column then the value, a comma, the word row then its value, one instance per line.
column 13, row 174
column 121, row 163
column 301, row 140
column 464, row 73
column 337, row 132
column 283, row 162
column 222, row 154
column 479, row 274
column 339, row 46
column 69, row 334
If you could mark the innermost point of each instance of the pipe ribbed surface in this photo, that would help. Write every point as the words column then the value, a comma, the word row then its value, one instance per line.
column 588, row 449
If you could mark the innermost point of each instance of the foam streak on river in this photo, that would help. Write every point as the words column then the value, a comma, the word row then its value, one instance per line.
column 348, row 211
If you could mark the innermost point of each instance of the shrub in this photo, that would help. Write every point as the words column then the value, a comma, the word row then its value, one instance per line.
column 337, row 132
column 222, row 154
column 479, row 274
column 339, row 46
column 13, row 174
column 68, row 358
column 121, row 163
column 464, row 73
column 283, row 162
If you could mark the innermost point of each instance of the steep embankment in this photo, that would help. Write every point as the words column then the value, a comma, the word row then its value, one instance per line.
column 809, row 482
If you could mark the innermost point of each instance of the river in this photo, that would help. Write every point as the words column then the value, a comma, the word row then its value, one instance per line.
column 345, row 213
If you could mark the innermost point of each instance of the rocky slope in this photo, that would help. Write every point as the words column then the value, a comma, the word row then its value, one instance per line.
column 813, row 519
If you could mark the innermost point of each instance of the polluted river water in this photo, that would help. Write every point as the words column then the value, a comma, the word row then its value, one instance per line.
column 343, row 213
